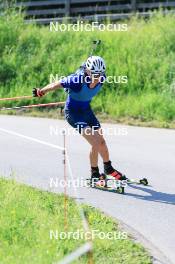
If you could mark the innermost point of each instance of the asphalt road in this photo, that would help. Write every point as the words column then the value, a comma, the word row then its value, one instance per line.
column 138, row 152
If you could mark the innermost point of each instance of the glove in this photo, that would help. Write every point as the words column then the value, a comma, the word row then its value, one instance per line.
column 37, row 92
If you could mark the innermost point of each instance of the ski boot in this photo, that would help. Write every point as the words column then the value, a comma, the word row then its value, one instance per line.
column 97, row 178
column 110, row 171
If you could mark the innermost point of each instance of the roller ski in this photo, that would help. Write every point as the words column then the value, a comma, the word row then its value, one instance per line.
column 143, row 181
column 111, row 180
column 104, row 183
column 109, row 170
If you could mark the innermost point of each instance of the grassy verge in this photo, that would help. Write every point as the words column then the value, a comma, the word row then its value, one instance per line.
column 103, row 117
column 145, row 53
column 27, row 215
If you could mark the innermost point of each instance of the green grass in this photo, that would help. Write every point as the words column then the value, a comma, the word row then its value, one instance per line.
column 27, row 215
column 145, row 54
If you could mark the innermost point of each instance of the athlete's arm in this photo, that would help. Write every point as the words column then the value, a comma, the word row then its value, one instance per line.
column 72, row 82
column 51, row 87
column 37, row 92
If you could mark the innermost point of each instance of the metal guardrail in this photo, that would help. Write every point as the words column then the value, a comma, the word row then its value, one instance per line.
column 45, row 11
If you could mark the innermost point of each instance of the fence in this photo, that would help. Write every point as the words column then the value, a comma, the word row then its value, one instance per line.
column 46, row 11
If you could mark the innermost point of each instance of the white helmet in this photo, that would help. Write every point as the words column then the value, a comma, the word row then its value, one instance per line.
column 95, row 64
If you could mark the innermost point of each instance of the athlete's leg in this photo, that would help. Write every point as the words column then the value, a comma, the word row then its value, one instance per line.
column 93, row 157
column 98, row 143
column 96, row 140
column 94, row 163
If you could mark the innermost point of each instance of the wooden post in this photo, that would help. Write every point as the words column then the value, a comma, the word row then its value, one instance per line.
column 67, row 8
column 133, row 5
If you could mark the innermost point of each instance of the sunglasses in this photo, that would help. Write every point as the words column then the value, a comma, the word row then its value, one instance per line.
column 96, row 76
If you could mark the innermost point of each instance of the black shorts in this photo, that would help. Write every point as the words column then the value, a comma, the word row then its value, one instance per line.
column 82, row 119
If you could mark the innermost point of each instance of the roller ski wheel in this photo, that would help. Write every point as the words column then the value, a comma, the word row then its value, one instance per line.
column 102, row 177
column 121, row 190
column 144, row 181
column 100, row 181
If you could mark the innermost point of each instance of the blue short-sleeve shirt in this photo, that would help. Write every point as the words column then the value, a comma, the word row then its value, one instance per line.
column 79, row 92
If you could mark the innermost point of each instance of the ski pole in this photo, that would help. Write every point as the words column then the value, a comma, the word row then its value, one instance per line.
column 61, row 104
column 16, row 98
column 95, row 43
column 94, row 47
column 65, row 182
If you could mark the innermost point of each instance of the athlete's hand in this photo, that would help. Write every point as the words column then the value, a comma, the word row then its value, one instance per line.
column 37, row 92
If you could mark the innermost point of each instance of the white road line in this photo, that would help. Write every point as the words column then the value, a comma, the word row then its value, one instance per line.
column 87, row 246
column 31, row 139
column 85, row 224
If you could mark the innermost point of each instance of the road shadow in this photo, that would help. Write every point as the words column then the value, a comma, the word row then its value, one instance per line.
column 154, row 196
column 106, row 190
